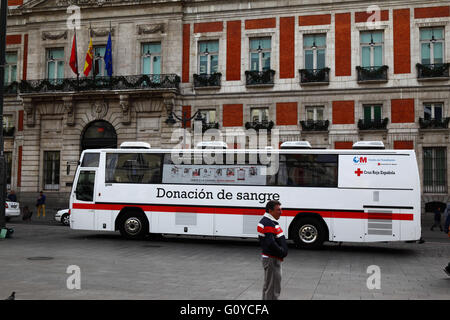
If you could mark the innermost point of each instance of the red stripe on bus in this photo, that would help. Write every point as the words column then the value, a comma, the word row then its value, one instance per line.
column 248, row 211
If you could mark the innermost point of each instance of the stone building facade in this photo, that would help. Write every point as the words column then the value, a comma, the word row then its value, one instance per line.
column 329, row 72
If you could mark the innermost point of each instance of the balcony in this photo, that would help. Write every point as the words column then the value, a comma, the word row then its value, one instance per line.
column 372, row 74
column 434, row 123
column 8, row 132
column 315, row 125
column 207, row 80
column 135, row 82
column 377, row 124
column 438, row 71
column 260, row 125
column 259, row 78
column 11, row 88
column 314, row 76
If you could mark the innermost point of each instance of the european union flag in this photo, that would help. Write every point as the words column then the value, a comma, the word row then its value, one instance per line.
column 108, row 57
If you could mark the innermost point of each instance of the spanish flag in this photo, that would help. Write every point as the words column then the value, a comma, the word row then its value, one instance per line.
column 89, row 59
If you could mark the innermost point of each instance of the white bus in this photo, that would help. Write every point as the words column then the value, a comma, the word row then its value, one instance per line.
column 326, row 195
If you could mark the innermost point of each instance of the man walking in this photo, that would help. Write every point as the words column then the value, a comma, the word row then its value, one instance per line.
column 274, row 249
column 41, row 205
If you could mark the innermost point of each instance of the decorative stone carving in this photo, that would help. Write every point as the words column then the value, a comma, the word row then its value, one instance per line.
column 99, row 109
column 30, row 112
column 68, row 108
column 101, row 32
column 169, row 101
column 150, row 28
column 125, row 106
column 54, row 35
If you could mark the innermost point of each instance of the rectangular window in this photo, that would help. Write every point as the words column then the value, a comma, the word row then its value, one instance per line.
column 85, row 186
column 308, row 170
column 133, row 168
column 432, row 45
column 371, row 49
column 260, row 52
column 435, row 170
column 208, row 57
column 259, row 114
column 433, row 111
column 151, row 58
column 99, row 62
column 314, row 48
column 315, row 113
column 10, row 67
column 51, row 170
column 372, row 113
column 55, row 64
column 91, row 160
column 209, row 115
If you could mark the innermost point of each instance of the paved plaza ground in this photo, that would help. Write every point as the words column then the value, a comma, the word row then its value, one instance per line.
column 198, row 269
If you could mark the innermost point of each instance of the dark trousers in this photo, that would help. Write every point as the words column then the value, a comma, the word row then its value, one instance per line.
column 272, row 278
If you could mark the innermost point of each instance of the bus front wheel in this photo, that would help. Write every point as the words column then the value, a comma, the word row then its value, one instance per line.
column 133, row 225
column 308, row 233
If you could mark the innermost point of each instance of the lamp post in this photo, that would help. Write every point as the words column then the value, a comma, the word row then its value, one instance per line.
column 172, row 119
column 3, row 14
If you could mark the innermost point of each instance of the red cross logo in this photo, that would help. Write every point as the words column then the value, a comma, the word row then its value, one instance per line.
column 359, row 172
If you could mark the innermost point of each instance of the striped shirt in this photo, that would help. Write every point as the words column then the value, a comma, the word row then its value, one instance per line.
column 271, row 238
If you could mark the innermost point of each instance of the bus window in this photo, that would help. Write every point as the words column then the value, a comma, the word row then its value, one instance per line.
column 85, row 186
column 234, row 172
column 308, row 170
column 133, row 168
column 91, row 160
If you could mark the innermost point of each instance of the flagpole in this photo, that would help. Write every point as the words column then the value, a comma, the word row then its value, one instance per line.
column 76, row 57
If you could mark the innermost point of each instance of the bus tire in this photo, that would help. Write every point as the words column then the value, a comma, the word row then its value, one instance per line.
column 308, row 233
column 133, row 225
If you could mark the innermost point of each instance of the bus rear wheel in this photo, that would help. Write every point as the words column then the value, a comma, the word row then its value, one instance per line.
column 133, row 225
column 308, row 233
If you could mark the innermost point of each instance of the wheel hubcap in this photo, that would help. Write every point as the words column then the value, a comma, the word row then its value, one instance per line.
column 308, row 233
column 133, row 226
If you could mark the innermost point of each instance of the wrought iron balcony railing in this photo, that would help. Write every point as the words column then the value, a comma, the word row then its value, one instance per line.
column 207, row 80
column 437, row 70
column 152, row 81
column 259, row 125
column 315, row 76
column 372, row 73
column 256, row 78
column 315, row 125
column 8, row 132
column 377, row 124
column 11, row 87
column 434, row 123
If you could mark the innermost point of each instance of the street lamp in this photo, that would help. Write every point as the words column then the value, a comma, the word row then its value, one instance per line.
column 172, row 119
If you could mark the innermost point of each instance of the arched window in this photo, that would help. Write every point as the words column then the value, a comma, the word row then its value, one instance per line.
column 98, row 134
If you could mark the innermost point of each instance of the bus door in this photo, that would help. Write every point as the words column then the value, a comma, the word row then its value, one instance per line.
column 83, row 200
column 381, row 225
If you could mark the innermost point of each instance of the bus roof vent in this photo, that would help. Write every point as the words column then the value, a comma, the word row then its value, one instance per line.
column 368, row 145
column 135, row 145
column 211, row 145
column 295, row 145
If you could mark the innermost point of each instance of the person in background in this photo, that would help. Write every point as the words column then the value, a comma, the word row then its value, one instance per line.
column 437, row 218
column 12, row 196
column 40, row 204
column 447, row 218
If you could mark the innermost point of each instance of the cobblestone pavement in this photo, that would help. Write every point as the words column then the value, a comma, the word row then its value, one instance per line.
column 197, row 268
